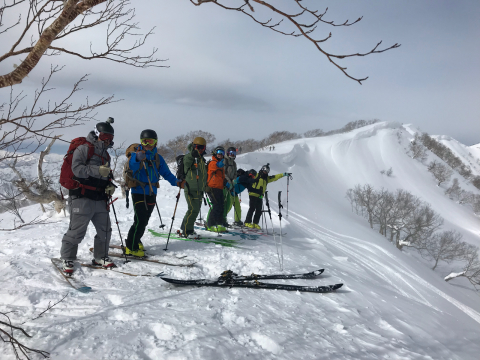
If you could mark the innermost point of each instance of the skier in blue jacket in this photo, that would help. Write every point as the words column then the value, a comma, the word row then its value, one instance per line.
column 147, row 167
column 243, row 181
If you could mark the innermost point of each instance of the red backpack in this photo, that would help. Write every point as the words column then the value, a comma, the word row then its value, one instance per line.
column 66, row 174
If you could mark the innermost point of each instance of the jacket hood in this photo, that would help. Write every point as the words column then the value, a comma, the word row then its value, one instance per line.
column 92, row 139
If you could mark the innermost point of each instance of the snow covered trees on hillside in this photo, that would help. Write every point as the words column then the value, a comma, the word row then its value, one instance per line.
column 407, row 221
column 417, row 149
column 440, row 172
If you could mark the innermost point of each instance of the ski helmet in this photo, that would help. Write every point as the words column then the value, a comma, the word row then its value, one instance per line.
column 265, row 168
column 148, row 134
column 240, row 172
column 219, row 150
column 104, row 127
column 232, row 152
column 199, row 141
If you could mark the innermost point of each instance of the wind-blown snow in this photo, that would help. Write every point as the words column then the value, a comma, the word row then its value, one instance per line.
column 391, row 306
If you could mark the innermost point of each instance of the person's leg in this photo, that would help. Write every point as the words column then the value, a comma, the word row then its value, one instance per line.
column 103, row 226
column 81, row 210
column 217, row 207
column 188, row 222
column 237, row 209
column 251, row 208
column 258, row 210
column 227, row 200
column 140, row 221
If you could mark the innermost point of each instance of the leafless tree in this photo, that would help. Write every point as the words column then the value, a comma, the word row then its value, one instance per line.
column 417, row 149
column 178, row 145
column 117, row 163
column 314, row 133
column 43, row 24
column 302, row 23
column 10, row 199
column 26, row 128
column 440, row 172
column 39, row 190
column 471, row 269
column 443, row 246
column 19, row 349
column 365, row 198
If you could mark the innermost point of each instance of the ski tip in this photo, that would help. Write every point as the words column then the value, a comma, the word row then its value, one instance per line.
column 336, row 286
column 319, row 272
column 85, row 289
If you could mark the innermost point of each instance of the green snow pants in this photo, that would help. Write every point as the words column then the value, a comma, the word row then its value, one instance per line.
column 194, row 204
column 235, row 203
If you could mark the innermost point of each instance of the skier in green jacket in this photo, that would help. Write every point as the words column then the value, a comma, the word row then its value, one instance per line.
column 195, row 171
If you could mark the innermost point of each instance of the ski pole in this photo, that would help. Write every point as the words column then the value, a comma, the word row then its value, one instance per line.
column 288, row 183
column 198, row 186
column 280, row 206
column 160, row 216
column 173, row 218
column 119, row 233
column 274, row 238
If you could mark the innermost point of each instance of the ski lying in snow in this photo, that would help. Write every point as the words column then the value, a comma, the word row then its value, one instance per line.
column 254, row 284
column 217, row 241
column 172, row 262
column 229, row 275
column 72, row 281
column 120, row 248
column 91, row 266
column 242, row 235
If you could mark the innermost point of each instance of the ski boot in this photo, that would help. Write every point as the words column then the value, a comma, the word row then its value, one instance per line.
column 250, row 225
column 136, row 253
column 68, row 266
column 104, row 262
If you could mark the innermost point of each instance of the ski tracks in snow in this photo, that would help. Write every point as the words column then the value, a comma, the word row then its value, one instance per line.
column 396, row 271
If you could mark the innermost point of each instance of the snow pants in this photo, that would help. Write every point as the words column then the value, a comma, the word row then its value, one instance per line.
column 82, row 211
column 215, row 215
column 235, row 203
column 254, row 210
column 140, row 219
column 194, row 204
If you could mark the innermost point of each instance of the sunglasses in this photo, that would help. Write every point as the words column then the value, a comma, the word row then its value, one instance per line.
column 147, row 142
column 200, row 147
column 220, row 152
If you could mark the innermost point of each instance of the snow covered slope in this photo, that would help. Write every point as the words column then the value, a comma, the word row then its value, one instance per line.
column 391, row 306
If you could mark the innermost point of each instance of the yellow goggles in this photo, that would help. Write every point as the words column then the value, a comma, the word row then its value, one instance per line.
column 147, row 142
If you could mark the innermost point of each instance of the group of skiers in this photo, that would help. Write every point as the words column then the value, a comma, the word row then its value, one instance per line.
column 90, row 196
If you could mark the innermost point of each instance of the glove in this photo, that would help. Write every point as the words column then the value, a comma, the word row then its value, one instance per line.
column 104, row 170
column 110, row 189
column 287, row 174
column 140, row 155
column 228, row 185
column 220, row 163
column 181, row 183
column 208, row 189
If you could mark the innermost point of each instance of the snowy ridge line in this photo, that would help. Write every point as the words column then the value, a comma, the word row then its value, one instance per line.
column 466, row 309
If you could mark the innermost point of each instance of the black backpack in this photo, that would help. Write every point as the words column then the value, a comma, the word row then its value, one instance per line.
column 180, row 171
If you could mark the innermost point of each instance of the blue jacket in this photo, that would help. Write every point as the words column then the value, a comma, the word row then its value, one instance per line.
column 153, row 172
column 243, row 182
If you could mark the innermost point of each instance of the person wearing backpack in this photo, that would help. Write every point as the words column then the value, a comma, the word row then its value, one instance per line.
column 87, row 175
column 146, row 167
column 243, row 181
column 194, row 172
column 256, row 193
column 230, row 175
column 215, row 184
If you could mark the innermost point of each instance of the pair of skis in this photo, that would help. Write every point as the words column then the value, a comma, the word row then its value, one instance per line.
column 230, row 279
column 206, row 240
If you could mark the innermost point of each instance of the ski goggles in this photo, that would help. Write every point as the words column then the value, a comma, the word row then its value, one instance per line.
column 232, row 153
column 147, row 142
column 105, row 136
column 199, row 147
column 220, row 151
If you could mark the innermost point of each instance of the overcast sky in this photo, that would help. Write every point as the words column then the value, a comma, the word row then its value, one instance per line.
column 236, row 79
